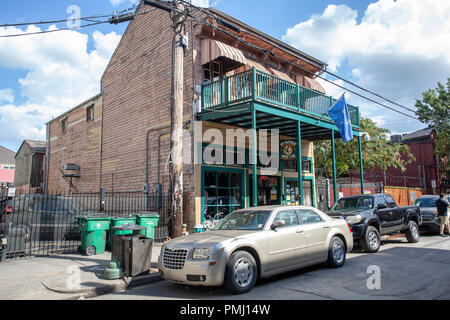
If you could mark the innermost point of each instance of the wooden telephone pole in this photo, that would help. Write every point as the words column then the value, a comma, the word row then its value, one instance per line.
column 179, row 47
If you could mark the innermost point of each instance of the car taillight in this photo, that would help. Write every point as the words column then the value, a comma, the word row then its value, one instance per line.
column 3, row 218
column 349, row 228
column 9, row 209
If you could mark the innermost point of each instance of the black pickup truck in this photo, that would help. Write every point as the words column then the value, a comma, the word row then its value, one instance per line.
column 371, row 216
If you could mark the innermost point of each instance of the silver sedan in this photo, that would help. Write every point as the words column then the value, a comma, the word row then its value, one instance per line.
column 256, row 242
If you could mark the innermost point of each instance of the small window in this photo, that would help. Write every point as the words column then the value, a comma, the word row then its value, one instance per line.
column 390, row 201
column 212, row 71
column 64, row 125
column 90, row 113
column 306, row 166
column 289, row 217
column 309, row 216
column 290, row 164
column 381, row 200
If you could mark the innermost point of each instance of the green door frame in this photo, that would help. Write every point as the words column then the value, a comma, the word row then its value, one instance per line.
column 221, row 169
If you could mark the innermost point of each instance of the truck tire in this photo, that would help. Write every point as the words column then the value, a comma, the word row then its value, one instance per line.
column 336, row 253
column 240, row 272
column 412, row 232
column 371, row 241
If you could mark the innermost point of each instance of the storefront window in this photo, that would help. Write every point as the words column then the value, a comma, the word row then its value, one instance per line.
column 222, row 193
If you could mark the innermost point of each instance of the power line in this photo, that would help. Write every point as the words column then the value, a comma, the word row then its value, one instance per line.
column 326, row 71
column 49, row 31
column 114, row 19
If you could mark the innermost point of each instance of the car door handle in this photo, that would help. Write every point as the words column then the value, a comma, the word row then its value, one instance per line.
column 299, row 231
column 325, row 226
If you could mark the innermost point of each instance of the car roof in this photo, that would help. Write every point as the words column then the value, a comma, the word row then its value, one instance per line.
column 274, row 207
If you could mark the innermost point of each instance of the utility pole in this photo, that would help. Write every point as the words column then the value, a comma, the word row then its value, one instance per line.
column 179, row 46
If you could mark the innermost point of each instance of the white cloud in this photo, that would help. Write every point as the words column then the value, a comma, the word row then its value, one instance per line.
column 61, row 73
column 6, row 95
column 399, row 50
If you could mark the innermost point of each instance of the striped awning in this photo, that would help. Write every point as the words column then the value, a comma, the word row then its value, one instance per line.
column 282, row 75
column 257, row 65
column 314, row 85
column 213, row 49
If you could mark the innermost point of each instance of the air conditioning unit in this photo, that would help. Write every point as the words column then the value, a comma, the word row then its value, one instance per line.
column 71, row 167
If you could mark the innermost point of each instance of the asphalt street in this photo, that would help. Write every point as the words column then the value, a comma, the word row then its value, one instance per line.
column 407, row 271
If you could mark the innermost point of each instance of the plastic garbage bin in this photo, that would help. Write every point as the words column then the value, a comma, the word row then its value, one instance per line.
column 131, row 252
column 118, row 221
column 149, row 220
column 93, row 234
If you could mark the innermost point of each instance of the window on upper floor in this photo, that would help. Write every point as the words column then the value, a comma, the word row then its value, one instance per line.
column 212, row 71
column 90, row 113
column 63, row 125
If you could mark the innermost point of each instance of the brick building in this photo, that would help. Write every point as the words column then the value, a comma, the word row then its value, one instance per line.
column 73, row 142
column 423, row 172
column 228, row 84
column 29, row 175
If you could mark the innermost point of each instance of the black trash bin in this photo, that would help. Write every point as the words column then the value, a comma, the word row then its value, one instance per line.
column 133, row 252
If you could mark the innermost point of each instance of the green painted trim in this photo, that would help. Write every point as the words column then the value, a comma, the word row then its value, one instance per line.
column 292, row 115
column 255, row 160
column 361, row 170
column 299, row 160
column 333, row 158
column 220, row 169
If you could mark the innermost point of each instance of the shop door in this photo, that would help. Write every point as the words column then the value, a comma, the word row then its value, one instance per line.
column 268, row 190
column 292, row 192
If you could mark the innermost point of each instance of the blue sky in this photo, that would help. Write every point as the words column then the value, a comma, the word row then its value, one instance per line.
column 396, row 48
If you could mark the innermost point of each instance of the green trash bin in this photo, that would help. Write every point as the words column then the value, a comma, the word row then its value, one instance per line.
column 118, row 221
column 93, row 234
column 149, row 221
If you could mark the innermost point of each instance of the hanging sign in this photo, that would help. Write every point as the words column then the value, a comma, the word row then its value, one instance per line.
column 288, row 150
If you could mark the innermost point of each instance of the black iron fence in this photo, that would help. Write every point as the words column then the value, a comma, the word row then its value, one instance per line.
column 43, row 224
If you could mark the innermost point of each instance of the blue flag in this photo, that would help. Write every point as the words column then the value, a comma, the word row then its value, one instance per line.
column 339, row 113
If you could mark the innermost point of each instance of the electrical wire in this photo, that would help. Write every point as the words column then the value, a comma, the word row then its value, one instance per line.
column 70, row 28
column 324, row 70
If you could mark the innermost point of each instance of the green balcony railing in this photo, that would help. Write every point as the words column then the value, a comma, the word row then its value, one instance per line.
column 258, row 85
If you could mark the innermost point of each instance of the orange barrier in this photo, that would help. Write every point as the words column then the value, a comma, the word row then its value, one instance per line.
column 404, row 196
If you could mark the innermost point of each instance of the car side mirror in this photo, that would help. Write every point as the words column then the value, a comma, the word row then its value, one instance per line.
column 277, row 224
column 381, row 206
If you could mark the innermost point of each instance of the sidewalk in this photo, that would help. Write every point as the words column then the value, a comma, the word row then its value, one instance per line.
column 55, row 277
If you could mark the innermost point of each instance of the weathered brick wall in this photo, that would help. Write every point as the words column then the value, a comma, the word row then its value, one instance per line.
column 79, row 144
column 137, row 98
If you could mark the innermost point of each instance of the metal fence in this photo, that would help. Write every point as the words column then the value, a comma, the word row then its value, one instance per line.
column 43, row 224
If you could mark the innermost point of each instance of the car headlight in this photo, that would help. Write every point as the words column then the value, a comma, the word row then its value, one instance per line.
column 353, row 219
column 201, row 253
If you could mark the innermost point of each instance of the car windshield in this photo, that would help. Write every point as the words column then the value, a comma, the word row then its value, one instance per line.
column 353, row 203
column 244, row 220
column 427, row 202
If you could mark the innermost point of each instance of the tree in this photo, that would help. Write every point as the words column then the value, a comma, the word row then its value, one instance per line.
column 377, row 151
column 434, row 110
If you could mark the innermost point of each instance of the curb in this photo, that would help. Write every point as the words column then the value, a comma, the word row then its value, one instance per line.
column 129, row 282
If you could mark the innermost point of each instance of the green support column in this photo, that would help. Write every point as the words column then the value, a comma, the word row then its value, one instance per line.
column 255, row 160
column 361, row 171
column 334, row 166
column 299, row 161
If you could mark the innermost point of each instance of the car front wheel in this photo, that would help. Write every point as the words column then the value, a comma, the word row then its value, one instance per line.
column 371, row 241
column 240, row 273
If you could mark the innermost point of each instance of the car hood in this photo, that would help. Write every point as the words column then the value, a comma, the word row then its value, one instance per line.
column 346, row 212
column 210, row 238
